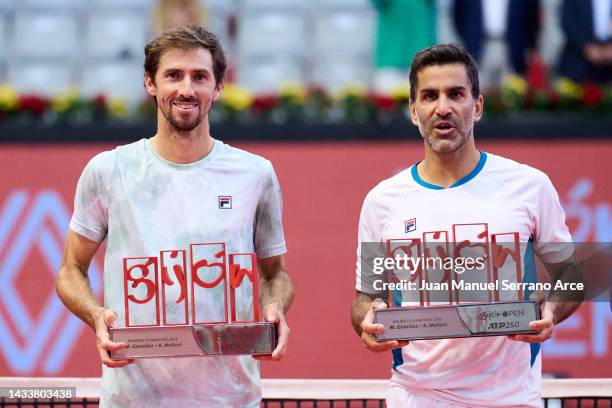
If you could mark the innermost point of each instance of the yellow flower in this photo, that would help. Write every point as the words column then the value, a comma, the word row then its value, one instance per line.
column 64, row 101
column 350, row 91
column 236, row 97
column 8, row 98
column 293, row 90
column 568, row 88
column 516, row 84
column 118, row 107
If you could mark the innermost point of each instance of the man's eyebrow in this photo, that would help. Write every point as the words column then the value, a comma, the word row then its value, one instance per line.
column 452, row 88
column 199, row 70
column 458, row 88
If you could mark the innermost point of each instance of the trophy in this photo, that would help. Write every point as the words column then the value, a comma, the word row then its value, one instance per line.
column 452, row 289
column 175, row 311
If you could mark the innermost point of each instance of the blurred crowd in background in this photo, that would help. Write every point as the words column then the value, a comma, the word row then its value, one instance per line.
column 93, row 49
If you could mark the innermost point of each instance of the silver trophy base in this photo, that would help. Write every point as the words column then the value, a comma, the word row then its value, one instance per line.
column 471, row 320
column 196, row 340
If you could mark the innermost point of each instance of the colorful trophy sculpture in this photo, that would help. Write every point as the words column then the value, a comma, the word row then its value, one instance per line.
column 174, row 311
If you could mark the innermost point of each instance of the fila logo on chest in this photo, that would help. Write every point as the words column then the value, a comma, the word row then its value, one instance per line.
column 225, row 202
column 410, row 225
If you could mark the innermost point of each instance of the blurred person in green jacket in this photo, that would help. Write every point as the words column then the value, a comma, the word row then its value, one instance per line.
column 403, row 28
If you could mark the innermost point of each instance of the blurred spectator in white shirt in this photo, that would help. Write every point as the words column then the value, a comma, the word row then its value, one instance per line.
column 500, row 34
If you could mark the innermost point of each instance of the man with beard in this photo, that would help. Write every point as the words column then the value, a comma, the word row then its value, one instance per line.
column 457, row 186
column 179, row 188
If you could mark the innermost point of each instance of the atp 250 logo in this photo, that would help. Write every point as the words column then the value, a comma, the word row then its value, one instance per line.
column 35, row 221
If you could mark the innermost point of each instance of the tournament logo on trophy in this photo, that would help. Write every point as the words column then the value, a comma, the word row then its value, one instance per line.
column 205, row 302
column 439, row 288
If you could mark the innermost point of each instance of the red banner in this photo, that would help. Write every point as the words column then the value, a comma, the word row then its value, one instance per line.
column 323, row 185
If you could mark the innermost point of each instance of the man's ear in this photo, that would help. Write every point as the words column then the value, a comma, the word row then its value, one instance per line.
column 479, row 108
column 149, row 85
column 412, row 110
column 218, row 90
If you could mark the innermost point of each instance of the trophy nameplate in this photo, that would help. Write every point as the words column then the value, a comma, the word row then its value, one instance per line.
column 199, row 340
column 452, row 321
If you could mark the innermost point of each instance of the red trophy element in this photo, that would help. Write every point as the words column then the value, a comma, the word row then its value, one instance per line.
column 437, row 246
column 237, row 274
column 196, row 318
column 406, row 251
column 140, row 289
column 174, row 287
column 506, row 261
column 209, row 275
column 472, row 241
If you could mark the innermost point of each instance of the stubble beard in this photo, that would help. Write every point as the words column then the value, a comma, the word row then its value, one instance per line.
column 445, row 145
column 177, row 126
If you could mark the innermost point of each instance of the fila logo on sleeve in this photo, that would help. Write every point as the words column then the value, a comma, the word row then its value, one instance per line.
column 225, row 202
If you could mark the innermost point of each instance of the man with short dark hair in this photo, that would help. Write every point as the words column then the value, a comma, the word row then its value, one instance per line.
column 455, row 189
column 179, row 189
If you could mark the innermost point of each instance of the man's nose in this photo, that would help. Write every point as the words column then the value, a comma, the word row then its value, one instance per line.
column 186, row 87
column 443, row 107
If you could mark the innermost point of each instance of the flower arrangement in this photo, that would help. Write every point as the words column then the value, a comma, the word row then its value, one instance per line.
column 517, row 94
column 295, row 103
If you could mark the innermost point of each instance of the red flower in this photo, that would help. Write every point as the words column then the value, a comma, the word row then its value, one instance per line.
column 382, row 102
column 265, row 102
column 537, row 74
column 33, row 103
column 592, row 94
column 99, row 102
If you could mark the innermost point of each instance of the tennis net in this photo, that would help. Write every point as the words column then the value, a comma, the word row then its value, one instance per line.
column 290, row 393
